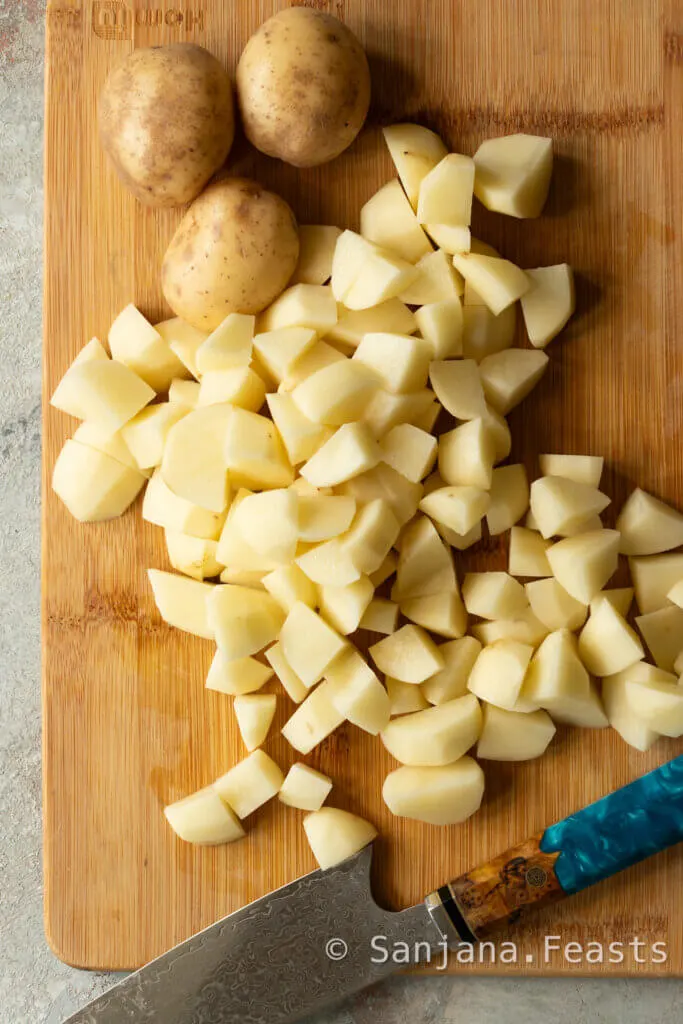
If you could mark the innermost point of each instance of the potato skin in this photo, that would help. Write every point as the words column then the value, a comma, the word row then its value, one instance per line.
column 167, row 122
column 233, row 252
column 303, row 87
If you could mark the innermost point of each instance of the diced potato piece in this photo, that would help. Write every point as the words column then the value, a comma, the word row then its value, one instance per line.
column 466, row 455
column 322, row 517
column 184, row 341
column 316, row 250
column 288, row 584
column 675, row 595
column 607, row 643
column 451, row 682
column 425, row 565
column 244, row 620
column 291, row 683
column 428, row 416
column 484, row 334
column 239, row 386
column 278, row 351
column 528, row 553
column 380, row 616
column 559, row 504
column 305, row 788
column 383, row 482
column 437, row 736
column 250, row 784
column 164, row 508
column 509, row 498
column 94, row 486
column 228, row 346
column 193, row 463
column 555, row 608
column 388, row 220
column 549, row 303
column 329, row 564
column 415, row 150
column 585, row 563
column 244, row 675
column 145, row 435
column 386, row 569
column 435, row 280
column 358, row 694
column 392, row 317
column 441, row 795
column 371, row 536
column 315, row 358
column 498, row 673
column 648, row 526
column 404, row 698
column 630, row 726
column 336, row 394
column 114, row 445
column 254, row 453
column 269, row 522
column 509, row 376
column 343, row 607
column 335, row 835
column 620, row 598
column 184, row 393
column 350, row 451
column 445, row 195
column 499, row 433
column 662, row 631
column 350, row 253
column 441, row 325
column 93, row 349
column 525, row 628
column 658, row 702
column 494, row 595
column 514, row 735
column 513, row 174
column 379, row 276
column 234, row 551
column 301, row 305
column 556, row 672
column 451, row 238
column 585, row 469
column 400, row 362
column 497, row 281
column 309, row 644
column 203, row 818
column 653, row 577
column 409, row 450
column 458, row 508
column 135, row 343
column 244, row 577
column 300, row 436
column 182, row 602
column 102, row 391
column 386, row 410
column 313, row 720
column 193, row 556
column 254, row 713
column 409, row 655
column 458, row 387
column 443, row 614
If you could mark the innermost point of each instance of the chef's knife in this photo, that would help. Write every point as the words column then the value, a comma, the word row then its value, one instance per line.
column 313, row 942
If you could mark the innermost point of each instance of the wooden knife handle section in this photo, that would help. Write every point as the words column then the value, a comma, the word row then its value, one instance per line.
column 496, row 894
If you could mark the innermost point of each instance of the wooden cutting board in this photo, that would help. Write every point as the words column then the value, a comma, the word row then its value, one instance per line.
column 128, row 725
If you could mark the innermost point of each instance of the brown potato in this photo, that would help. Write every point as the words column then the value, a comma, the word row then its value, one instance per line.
column 303, row 86
column 166, row 121
column 234, row 252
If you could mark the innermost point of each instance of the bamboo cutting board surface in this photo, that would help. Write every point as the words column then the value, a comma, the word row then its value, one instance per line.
column 128, row 725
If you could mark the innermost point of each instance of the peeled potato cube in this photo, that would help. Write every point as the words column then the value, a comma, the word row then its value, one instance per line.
column 451, row 238
column 425, row 565
column 254, row 453
column 301, row 305
column 441, row 795
column 466, row 455
column 443, row 614
column 184, row 393
column 313, row 720
column 659, row 703
column 145, row 435
column 233, row 549
column 445, row 195
column 583, row 564
column 335, row 835
column 528, row 553
column 250, row 784
column 512, row 174
column 305, row 788
column 441, row 325
column 409, row 450
column 404, row 698
column 291, row 683
column 380, row 276
column 235, row 678
column 662, row 631
column 451, row 682
column 380, row 616
column 93, row 349
column 244, row 621
column 391, row 316
column 350, row 253
column 388, row 220
column 358, row 694
column 459, row 508
column 383, row 482
column 300, row 436
column 93, row 436
column 556, row 672
column 400, row 362
column 240, row 386
column 184, row 341
column 633, row 729
column 509, row 376
column 525, row 628
column 499, row 282
column 278, row 351
column 620, row 598
column 193, row 463
column 653, row 577
column 343, row 607
column 244, row 577
column 415, row 150
column 228, row 346
column 607, row 643
column 182, row 602
column 436, row 736
column 371, row 535
column 458, row 387
column 585, row 469
column 322, row 517
column 409, row 655
column 309, row 644
column 435, row 280
column 493, row 595
column 94, row 486
column 164, row 508
column 498, row 673
column 555, row 608
column 648, row 526
column 484, row 334
column 559, row 504
column 386, row 410
column 135, row 343
column 203, row 818
column 514, row 735
column 254, row 713
column 499, row 434
column 269, row 522
column 316, row 250
column 509, row 498
column 193, row 556
column 329, row 564
column 102, row 391
column 336, row 394
column 317, row 357
column 350, row 451
column 549, row 303
column 288, row 585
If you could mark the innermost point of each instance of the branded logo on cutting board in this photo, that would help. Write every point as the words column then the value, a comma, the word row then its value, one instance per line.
column 114, row 20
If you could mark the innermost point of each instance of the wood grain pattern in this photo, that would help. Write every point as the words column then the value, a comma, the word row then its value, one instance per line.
column 128, row 725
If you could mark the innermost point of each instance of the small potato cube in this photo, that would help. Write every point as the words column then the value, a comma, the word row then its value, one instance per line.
column 253, row 452
column 145, row 435
column 372, row 535
column 400, row 362
column 441, row 325
column 435, row 280
column 135, row 343
column 234, row 551
column 350, row 253
column 509, row 498
column 315, row 358
column 559, row 504
column 244, row 675
column 632, row 728
column 484, row 334
column 512, row 174
column 451, row 682
column 514, row 735
column 316, row 250
column 458, row 508
column 425, row 565
column 466, row 455
column 404, row 698
column 104, row 392
column 648, row 526
column 240, row 386
column 164, row 508
column 653, row 577
column 329, row 564
column 309, row 644
column 113, row 445
column 182, row 602
column 555, row 608
column 350, row 451
column 278, row 351
column 409, row 450
column 193, row 464
column 184, row 341
column 458, row 387
column 244, row 577
column 344, row 607
column 380, row 276
column 415, row 150
column 313, row 720
column 607, row 643
column 250, row 784
column 441, row 795
column 184, row 393
column 335, row 835
column 494, row 595
column 337, row 394
column 584, row 564
column 549, row 303
column 388, row 220
column 93, row 349
column 305, row 788
column 386, row 569
column 392, row 317
column 555, row 672
column 585, row 469
column 288, row 585
column 386, row 410
column 380, row 616
column 436, row 736
column 383, row 482
column 244, row 621
column 662, row 631
column 658, row 702
column 94, row 486
column 497, row 281
column 528, row 553
column 269, row 522
column 358, row 694
column 302, row 305
column 322, row 517
column 451, row 238
column 300, row 436
column 203, row 818
column 499, row 433
column 443, row 614
column 228, row 346
column 446, row 192
column 409, row 655
column 291, row 683
column 254, row 713
column 509, row 376
column 620, row 598
column 193, row 556
column 525, row 628
column 498, row 673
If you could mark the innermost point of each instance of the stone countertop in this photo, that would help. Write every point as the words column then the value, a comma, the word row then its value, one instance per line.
column 35, row 987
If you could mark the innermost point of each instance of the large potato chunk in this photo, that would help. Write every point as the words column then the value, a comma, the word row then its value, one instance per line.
column 336, row 394
column 302, row 305
column 309, row 644
column 648, row 526
column 497, row 281
column 350, row 451
column 358, row 694
column 509, row 498
column 633, row 729
column 458, row 387
column 183, row 602
column 300, row 436
column 555, row 608
column 586, row 469
column 437, row 736
column 549, row 303
column 184, row 341
column 103, row 392
column 145, row 435
column 466, row 455
column 494, row 595
column 607, row 643
column 528, row 553
column 409, row 450
column 193, row 463
column 653, row 577
column 204, row 818
column 513, row 735
column 557, row 681
column 392, row 317
column 250, row 784
column 415, row 150
column 388, row 220
column 662, row 631
column 334, row 835
column 512, row 174
column 229, row 346
column 441, row 324
column 291, row 683
column 509, row 376
column 135, row 343
column 499, row 671
column 451, row 682
column 425, row 565
column 434, row 280
column 409, row 655
column 459, row 508
column 443, row 795
column 584, row 564
column 400, row 362
column 253, row 452
column 444, row 614
column 243, row 620
column 269, row 522
column 560, row 505
column 525, row 628
column 92, row 485
column 164, row 508
column 194, row 556
column 305, row 788
column 656, row 698
column 238, row 677
column 445, row 195
column 344, row 607
column 314, row 719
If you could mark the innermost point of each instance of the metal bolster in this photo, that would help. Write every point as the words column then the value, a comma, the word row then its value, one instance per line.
column 448, row 918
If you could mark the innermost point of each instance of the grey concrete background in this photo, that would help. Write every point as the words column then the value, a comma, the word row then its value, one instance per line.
column 35, row 988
